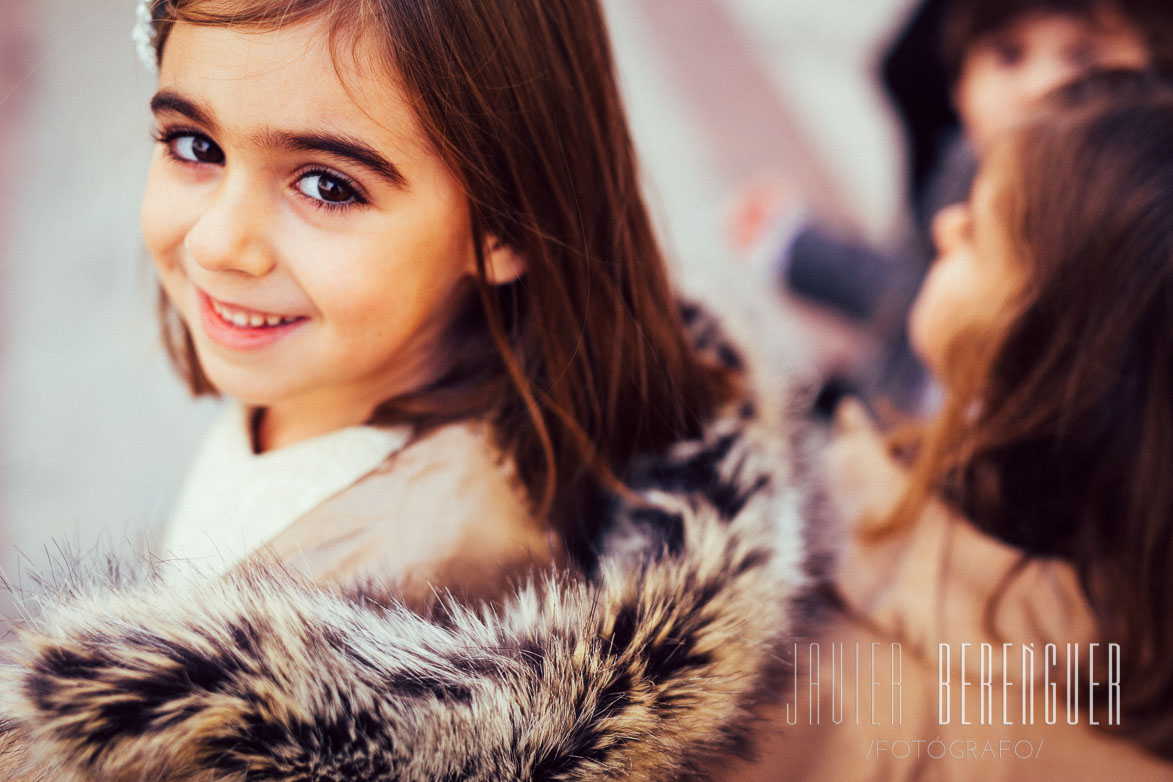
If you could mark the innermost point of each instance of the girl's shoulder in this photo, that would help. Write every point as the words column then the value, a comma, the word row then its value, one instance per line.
column 450, row 496
column 936, row 579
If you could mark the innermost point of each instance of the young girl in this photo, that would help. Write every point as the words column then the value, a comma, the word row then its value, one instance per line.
column 443, row 280
column 1038, row 508
column 355, row 259
column 408, row 240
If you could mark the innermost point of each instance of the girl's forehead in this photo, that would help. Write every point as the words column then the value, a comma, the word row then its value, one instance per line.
column 245, row 52
column 288, row 75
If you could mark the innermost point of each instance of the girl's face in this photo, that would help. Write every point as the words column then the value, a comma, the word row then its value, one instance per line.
column 973, row 278
column 1005, row 74
column 304, row 228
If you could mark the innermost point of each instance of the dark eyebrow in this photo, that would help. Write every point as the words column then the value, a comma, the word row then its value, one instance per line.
column 338, row 146
column 166, row 100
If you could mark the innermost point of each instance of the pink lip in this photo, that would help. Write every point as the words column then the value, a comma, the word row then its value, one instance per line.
column 235, row 337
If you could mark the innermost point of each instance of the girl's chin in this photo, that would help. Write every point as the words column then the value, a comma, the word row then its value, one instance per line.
column 248, row 388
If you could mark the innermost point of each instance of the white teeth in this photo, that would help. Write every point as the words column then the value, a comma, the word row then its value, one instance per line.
column 249, row 319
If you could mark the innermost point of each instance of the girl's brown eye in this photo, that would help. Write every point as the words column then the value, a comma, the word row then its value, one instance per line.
column 323, row 187
column 1007, row 53
column 196, row 149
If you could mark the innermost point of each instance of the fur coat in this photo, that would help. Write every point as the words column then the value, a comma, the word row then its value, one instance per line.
column 650, row 668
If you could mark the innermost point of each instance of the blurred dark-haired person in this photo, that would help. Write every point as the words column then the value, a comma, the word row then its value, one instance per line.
column 962, row 73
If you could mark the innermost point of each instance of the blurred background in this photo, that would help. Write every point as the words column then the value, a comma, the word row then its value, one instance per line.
column 95, row 432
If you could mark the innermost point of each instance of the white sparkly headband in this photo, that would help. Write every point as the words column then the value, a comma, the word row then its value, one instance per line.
column 144, row 34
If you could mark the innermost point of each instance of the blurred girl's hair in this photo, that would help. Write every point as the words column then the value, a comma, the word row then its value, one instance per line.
column 1057, row 433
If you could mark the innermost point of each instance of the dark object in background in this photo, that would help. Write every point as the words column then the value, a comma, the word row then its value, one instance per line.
column 916, row 79
column 847, row 276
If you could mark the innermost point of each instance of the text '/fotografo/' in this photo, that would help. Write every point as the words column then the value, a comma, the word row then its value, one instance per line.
column 956, row 749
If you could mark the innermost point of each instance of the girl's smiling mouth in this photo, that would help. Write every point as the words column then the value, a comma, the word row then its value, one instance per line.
column 238, row 328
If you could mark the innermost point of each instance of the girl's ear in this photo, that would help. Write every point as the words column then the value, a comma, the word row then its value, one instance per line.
column 502, row 263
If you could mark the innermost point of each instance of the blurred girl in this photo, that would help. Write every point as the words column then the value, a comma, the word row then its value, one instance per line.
column 1037, row 508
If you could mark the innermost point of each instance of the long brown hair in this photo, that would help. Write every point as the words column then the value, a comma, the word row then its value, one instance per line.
column 1057, row 434
column 583, row 363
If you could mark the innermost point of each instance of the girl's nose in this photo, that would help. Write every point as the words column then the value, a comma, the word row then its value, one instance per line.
column 230, row 233
column 949, row 226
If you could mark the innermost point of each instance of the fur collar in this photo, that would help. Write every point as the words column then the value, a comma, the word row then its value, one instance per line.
column 651, row 669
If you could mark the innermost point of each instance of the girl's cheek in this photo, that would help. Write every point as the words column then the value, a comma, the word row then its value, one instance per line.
column 161, row 221
column 927, row 325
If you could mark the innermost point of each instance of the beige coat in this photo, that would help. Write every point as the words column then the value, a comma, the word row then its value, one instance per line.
column 447, row 512
column 648, row 668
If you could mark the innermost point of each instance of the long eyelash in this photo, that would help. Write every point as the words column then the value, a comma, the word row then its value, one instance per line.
column 330, row 207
